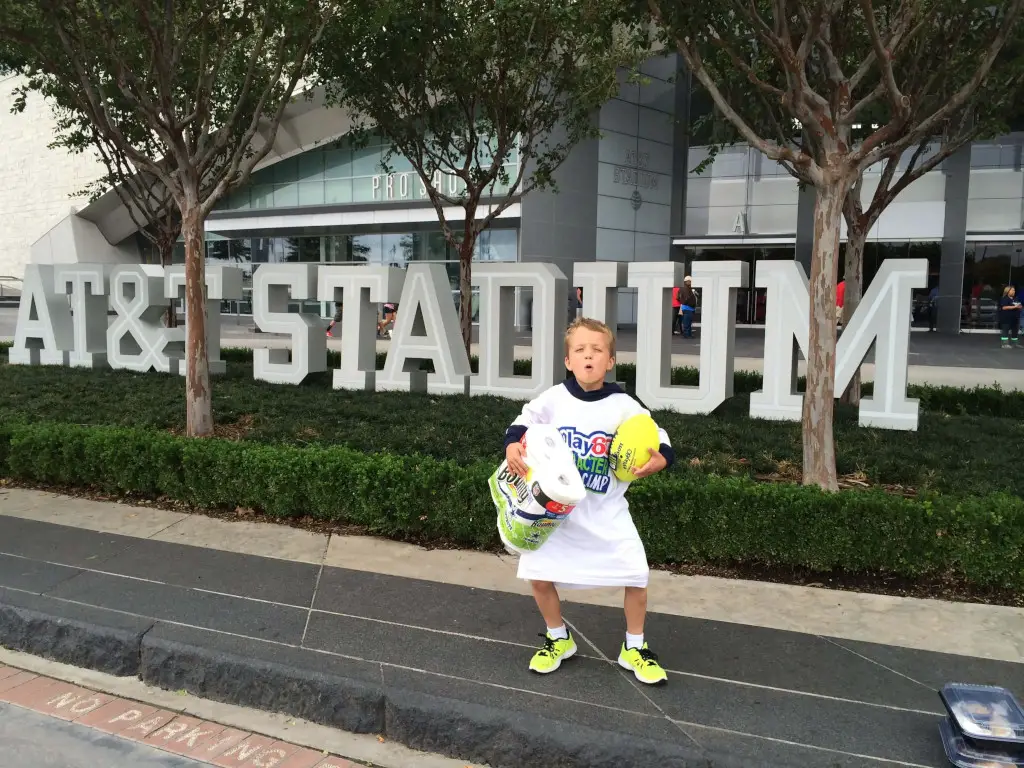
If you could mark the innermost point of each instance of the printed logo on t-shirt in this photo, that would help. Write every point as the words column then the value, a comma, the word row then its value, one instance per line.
column 591, row 454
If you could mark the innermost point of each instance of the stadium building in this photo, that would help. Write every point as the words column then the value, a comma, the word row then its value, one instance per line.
column 630, row 196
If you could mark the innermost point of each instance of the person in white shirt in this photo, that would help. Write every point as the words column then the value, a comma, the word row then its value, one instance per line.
column 598, row 544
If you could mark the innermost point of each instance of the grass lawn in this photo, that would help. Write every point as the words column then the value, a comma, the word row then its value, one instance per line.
column 951, row 454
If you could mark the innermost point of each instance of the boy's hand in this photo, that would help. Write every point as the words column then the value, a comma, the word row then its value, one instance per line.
column 656, row 463
column 514, row 456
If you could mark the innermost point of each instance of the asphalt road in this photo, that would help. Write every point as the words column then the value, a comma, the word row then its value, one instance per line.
column 29, row 740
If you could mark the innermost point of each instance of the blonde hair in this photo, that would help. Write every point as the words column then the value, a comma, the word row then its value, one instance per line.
column 1007, row 289
column 591, row 325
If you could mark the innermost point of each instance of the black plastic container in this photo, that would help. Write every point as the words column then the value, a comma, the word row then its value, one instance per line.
column 963, row 754
column 985, row 727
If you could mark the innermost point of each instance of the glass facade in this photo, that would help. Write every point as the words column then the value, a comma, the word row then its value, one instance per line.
column 988, row 268
column 342, row 173
column 751, row 302
column 386, row 249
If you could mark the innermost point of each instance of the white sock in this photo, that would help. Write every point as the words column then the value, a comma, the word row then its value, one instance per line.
column 558, row 633
column 634, row 641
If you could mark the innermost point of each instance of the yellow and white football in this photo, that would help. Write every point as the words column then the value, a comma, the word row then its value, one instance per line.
column 631, row 446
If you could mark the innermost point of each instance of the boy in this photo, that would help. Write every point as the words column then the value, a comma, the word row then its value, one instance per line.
column 598, row 544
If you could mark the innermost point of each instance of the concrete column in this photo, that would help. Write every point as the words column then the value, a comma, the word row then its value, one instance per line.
column 681, row 150
column 954, row 241
column 805, row 225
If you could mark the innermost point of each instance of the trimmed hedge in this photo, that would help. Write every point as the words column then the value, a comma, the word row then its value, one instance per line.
column 682, row 517
column 959, row 455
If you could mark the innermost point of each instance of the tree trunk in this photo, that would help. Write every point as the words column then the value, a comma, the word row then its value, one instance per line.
column 198, row 400
column 466, row 289
column 166, row 258
column 819, row 399
column 854, row 276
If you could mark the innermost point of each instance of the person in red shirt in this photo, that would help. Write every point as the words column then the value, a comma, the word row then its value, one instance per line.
column 840, row 297
column 677, row 314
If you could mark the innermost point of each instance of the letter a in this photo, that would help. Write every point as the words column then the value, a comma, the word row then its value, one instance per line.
column 44, row 333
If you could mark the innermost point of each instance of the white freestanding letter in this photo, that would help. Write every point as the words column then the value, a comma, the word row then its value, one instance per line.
column 271, row 284
column 359, row 290
column 222, row 284
column 427, row 328
column 719, row 281
column 600, row 281
column 43, row 334
column 882, row 318
column 87, row 286
column 136, row 339
column 786, row 326
column 497, row 284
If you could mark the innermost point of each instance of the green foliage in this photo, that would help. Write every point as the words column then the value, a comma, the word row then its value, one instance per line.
column 682, row 517
column 970, row 443
column 495, row 95
column 951, row 72
column 169, row 95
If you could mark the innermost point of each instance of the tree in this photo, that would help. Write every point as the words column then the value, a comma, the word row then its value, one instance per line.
column 817, row 68
column 189, row 93
column 484, row 100
column 149, row 203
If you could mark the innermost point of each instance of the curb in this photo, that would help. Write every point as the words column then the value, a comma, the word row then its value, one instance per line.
column 81, row 635
column 310, row 686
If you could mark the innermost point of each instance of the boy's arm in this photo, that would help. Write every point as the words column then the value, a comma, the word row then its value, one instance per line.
column 665, row 447
column 534, row 412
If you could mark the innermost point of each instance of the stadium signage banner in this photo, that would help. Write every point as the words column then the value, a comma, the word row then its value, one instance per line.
column 64, row 320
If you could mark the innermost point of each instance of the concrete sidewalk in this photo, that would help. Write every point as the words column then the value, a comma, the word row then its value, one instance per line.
column 430, row 648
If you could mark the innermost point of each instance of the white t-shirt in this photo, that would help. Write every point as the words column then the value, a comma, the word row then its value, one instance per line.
column 598, row 545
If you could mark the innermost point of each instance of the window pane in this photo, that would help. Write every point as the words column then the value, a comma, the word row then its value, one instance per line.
column 311, row 193
column 338, row 191
column 241, row 250
column 366, row 249
column 497, row 245
column 337, row 163
column 311, row 166
column 285, row 171
column 339, row 248
column 429, row 246
column 262, row 196
column 286, row 195
column 987, row 269
column 397, row 250
column 217, row 251
column 474, row 302
column 261, row 248
column 366, row 162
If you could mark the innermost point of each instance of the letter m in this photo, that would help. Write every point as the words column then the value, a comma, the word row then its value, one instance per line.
column 882, row 321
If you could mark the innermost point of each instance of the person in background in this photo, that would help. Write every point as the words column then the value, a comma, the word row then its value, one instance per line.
column 388, row 316
column 335, row 321
column 677, row 312
column 840, row 300
column 1009, row 317
column 687, row 307
column 933, row 308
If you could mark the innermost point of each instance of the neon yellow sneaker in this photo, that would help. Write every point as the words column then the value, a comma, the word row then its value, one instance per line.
column 644, row 664
column 550, row 657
